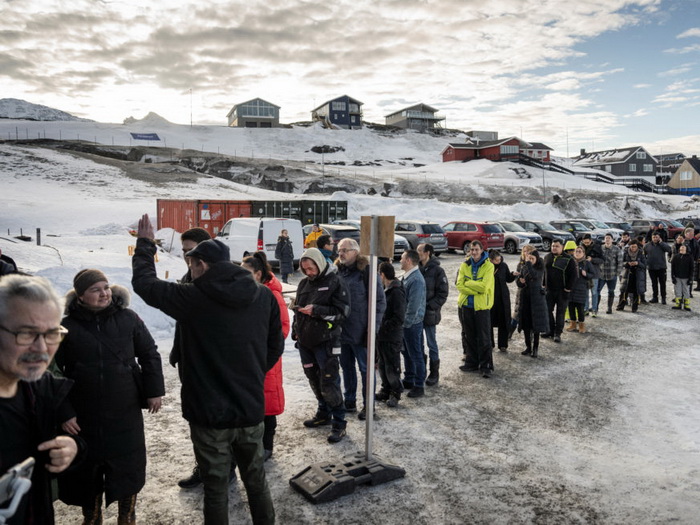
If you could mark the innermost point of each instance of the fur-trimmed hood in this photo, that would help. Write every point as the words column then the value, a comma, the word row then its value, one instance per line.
column 121, row 298
column 361, row 262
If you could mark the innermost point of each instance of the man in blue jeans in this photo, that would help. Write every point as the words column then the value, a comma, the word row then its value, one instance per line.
column 414, row 364
column 354, row 271
column 436, row 291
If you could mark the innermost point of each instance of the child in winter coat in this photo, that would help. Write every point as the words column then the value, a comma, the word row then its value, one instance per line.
column 681, row 276
column 579, row 291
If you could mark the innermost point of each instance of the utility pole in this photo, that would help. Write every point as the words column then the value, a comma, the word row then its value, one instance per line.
column 190, row 107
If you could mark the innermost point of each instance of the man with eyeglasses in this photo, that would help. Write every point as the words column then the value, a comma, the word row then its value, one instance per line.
column 30, row 398
column 354, row 270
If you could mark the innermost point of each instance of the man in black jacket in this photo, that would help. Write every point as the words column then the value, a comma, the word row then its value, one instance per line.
column 560, row 274
column 322, row 304
column 656, row 252
column 436, row 291
column 390, row 337
column 30, row 398
column 231, row 335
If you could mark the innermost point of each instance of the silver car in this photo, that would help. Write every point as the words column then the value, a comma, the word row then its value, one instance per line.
column 516, row 237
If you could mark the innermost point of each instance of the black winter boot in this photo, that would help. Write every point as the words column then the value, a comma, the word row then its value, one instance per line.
column 193, row 481
column 623, row 302
column 611, row 301
column 434, row 375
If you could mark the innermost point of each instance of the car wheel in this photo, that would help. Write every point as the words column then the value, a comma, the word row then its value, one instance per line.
column 546, row 244
column 511, row 248
column 465, row 248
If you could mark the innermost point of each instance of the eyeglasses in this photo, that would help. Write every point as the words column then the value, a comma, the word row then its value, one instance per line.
column 28, row 337
column 346, row 250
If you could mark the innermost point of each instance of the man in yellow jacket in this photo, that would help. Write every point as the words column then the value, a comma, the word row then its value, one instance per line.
column 476, row 284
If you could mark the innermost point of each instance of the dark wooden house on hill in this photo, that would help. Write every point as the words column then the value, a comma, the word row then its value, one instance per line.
column 342, row 112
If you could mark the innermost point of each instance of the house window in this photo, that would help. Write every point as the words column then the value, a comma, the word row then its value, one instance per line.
column 649, row 168
column 509, row 150
column 354, row 108
column 633, row 168
column 352, row 119
column 641, row 155
column 686, row 175
column 608, row 168
column 338, row 106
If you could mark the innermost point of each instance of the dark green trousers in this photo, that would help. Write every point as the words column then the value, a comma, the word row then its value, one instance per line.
column 213, row 448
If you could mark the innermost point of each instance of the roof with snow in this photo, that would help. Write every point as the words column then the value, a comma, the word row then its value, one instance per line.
column 539, row 145
column 350, row 99
column 611, row 156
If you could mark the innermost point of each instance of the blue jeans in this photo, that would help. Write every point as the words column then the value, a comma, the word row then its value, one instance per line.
column 431, row 337
column 414, row 364
column 349, row 353
column 594, row 300
column 612, row 283
column 214, row 449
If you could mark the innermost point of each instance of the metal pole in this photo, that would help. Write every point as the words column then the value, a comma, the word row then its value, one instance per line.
column 371, row 335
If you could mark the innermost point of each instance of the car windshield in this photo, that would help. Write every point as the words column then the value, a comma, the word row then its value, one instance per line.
column 544, row 226
column 512, row 227
column 432, row 228
column 578, row 227
column 492, row 228
column 600, row 224
column 675, row 224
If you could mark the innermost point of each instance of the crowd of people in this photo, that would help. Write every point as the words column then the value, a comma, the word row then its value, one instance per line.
column 83, row 419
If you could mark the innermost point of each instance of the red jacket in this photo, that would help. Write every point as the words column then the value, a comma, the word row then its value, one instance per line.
column 274, row 393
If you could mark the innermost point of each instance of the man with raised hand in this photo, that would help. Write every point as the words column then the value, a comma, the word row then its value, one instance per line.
column 231, row 336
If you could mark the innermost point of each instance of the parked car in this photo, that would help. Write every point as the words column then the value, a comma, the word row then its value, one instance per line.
column 417, row 232
column 246, row 235
column 400, row 242
column 578, row 230
column 642, row 226
column 546, row 231
column 461, row 233
column 336, row 231
column 601, row 228
column 516, row 237
column 673, row 227
column 624, row 226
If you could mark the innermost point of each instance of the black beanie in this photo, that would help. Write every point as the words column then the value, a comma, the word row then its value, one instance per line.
column 84, row 279
column 211, row 251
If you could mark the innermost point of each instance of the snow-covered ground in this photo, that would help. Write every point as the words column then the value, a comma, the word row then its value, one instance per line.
column 602, row 429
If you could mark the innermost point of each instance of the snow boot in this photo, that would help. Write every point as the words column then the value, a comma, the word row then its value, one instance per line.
column 611, row 301
column 623, row 302
column 676, row 304
column 127, row 511
column 635, row 304
column 534, row 354
column 319, row 420
column 686, row 304
column 193, row 481
column 582, row 328
column 434, row 375
column 573, row 326
column 337, row 434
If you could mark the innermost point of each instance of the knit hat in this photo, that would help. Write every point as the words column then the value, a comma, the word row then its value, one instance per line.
column 317, row 257
column 211, row 251
column 84, row 279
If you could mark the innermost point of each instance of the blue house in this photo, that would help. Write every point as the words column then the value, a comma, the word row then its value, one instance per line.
column 342, row 112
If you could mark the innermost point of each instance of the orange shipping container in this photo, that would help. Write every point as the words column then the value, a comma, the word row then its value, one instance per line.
column 211, row 215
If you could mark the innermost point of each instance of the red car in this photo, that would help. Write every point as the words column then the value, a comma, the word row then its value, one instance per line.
column 461, row 233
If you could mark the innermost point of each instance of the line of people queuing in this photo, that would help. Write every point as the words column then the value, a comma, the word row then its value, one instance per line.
column 85, row 420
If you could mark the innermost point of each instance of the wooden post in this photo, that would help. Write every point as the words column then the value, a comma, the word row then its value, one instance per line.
column 38, row 236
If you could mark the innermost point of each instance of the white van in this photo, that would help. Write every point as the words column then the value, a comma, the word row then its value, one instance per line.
column 246, row 235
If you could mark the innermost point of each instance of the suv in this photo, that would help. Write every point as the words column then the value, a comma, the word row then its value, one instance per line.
column 578, row 230
column 601, row 228
column 417, row 232
column 461, row 233
column 546, row 231
column 624, row 226
column 336, row 232
column 400, row 242
column 516, row 237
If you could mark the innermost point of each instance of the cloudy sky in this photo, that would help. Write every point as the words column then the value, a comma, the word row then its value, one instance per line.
column 591, row 74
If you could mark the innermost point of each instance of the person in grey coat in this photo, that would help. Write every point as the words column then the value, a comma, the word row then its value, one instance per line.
column 534, row 315
column 284, row 253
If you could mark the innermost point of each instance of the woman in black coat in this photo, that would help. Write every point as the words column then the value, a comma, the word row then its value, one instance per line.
column 284, row 253
column 105, row 339
column 534, row 317
column 500, row 311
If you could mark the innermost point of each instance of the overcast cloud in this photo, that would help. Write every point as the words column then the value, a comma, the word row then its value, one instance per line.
column 497, row 64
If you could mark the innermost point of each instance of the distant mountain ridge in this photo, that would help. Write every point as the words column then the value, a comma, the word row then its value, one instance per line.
column 13, row 108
